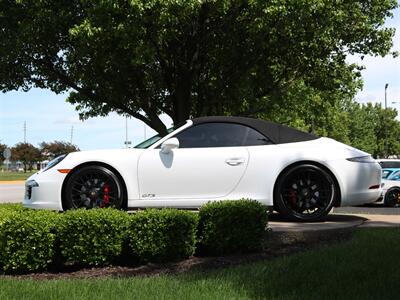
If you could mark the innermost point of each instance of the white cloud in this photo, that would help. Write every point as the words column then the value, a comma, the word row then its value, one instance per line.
column 381, row 70
column 378, row 96
column 73, row 120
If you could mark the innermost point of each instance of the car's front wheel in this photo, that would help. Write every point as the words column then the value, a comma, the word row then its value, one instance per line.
column 93, row 187
column 305, row 192
column 392, row 197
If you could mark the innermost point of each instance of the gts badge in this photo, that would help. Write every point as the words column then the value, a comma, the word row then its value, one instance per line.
column 148, row 195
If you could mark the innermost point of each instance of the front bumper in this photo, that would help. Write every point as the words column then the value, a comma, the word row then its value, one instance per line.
column 43, row 190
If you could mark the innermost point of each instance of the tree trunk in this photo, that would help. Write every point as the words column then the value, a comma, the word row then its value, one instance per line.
column 181, row 99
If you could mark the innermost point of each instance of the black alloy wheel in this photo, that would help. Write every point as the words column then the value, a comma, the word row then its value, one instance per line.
column 305, row 193
column 392, row 197
column 93, row 187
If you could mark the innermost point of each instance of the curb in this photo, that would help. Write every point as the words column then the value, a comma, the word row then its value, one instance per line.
column 333, row 222
column 378, row 221
column 12, row 181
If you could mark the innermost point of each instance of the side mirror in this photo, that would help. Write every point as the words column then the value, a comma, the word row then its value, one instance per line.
column 168, row 145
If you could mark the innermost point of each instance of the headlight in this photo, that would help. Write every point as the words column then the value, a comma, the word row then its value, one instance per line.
column 362, row 159
column 54, row 162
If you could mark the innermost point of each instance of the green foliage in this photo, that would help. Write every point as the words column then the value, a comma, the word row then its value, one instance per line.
column 312, row 110
column 91, row 237
column 162, row 235
column 15, row 176
column 374, row 130
column 187, row 57
column 362, row 126
column 7, row 207
column 32, row 240
column 355, row 269
column 26, row 239
column 232, row 227
column 56, row 148
column 26, row 153
column 2, row 148
column 336, row 115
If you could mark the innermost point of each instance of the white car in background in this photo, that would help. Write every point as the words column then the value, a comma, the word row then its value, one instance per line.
column 390, row 195
column 213, row 158
column 389, row 163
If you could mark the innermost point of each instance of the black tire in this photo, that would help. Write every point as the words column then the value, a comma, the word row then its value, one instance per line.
column 93, row 187
column 305, row 192
column 392, row 197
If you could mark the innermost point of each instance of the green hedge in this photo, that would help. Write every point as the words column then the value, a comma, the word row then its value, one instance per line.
column 7, row 207
column 162, row 235
column 235, row 226
column 26, row 239
column 92, row 237
column 35, row 240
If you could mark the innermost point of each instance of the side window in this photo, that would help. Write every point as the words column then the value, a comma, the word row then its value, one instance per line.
column 254, row 138
column 220, row 135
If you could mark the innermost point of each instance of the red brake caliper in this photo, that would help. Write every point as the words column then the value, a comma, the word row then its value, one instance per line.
column 106, row 195
column 293, row 197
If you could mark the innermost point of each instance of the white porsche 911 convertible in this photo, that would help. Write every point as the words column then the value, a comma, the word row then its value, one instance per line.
column 213, row 158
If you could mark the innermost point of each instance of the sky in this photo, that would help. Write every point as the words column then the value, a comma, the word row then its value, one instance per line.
column 382, row 70
column 48, row 117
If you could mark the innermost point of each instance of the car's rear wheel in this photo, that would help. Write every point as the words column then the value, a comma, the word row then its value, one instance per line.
column 93, row 187
column 305, row 192
column 392, row 197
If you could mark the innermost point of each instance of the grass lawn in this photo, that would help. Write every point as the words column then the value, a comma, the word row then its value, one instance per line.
column 365, row 267
column 15, row 175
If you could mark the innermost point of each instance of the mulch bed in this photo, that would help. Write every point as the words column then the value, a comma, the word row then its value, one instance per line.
column 277, row 244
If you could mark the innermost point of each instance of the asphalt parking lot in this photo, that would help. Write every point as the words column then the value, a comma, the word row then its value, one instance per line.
column 368, row 209
column 11, row 192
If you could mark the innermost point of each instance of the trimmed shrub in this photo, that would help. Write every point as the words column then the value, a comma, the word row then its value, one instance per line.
column 26, row 240
column 162, row 235
column 234, row 226
column 6, row 208
column 92, row 237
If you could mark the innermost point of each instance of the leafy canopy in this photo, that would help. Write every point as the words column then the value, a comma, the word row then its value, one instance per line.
column 53, row 149
column 2, row 148
column 26, row 153
column 187, row 57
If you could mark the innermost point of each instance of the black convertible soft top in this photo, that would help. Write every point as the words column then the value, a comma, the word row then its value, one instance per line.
column 277, row 133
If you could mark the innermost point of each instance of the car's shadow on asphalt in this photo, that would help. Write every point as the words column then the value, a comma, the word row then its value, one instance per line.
column 340, row 218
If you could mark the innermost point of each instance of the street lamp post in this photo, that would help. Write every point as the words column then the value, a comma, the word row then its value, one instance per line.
column 127, row 143
column 385, row 137
column 386, row 86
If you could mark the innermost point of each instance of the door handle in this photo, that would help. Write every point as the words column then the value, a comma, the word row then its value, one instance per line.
column 235, row 161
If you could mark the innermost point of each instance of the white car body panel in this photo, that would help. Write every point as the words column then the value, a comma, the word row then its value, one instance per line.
column 193, row 173
column 192, row 176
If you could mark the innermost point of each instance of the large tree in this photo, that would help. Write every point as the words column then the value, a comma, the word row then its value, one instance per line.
column 2, row 148
column 186, row 57
column 56, row 148
column 386, row 130
column 27, row 154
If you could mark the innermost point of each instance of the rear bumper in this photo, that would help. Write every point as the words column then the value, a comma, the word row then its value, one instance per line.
column 359, row 198
column 360, row 183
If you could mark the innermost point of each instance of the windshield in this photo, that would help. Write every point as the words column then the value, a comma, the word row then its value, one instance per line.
column 386, row 173
column 147, row 143
column 389, row 164
column 393, row 174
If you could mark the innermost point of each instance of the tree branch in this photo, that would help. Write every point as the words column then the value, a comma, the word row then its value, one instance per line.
column 151, row 121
